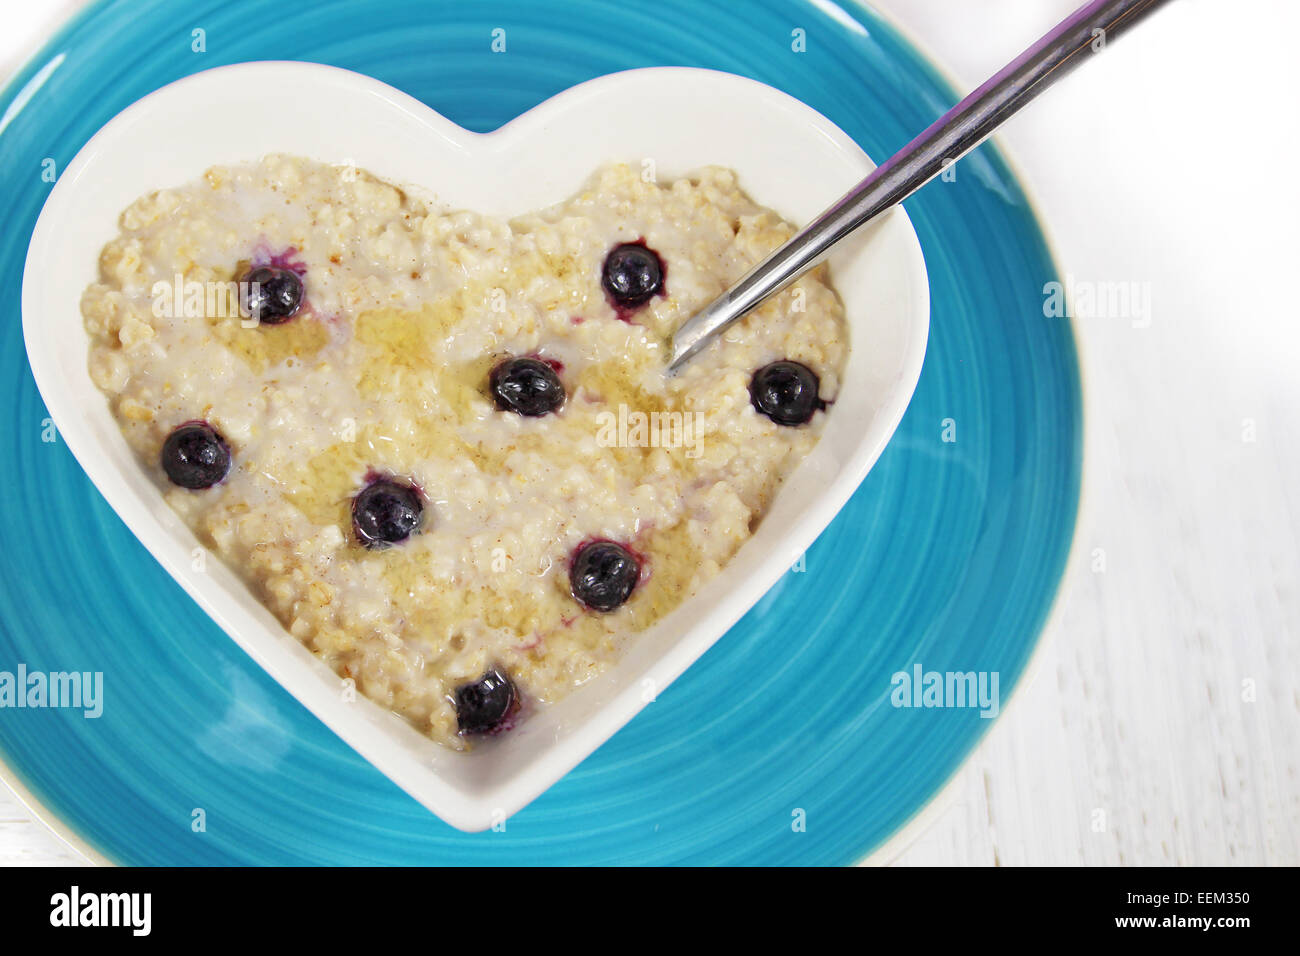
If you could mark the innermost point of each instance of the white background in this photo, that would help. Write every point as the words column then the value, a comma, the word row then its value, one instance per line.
column 1161, row 724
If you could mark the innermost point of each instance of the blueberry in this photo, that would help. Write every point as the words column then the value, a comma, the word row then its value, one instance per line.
column 386, row 511
column 786, row 392
column 527, row 386
column 632, row 275
column 271, row 294
column 603, row 575
column 195, row 456
column 484, row 705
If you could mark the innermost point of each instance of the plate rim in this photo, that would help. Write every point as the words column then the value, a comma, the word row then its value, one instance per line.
column 926, row 813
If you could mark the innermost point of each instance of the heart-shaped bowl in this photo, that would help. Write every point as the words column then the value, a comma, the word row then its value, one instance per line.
column 787, row 156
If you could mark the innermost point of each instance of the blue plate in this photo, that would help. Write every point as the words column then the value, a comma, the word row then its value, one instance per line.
column 781, row 744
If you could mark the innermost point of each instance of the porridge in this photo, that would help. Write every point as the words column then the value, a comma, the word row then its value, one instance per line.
column 441, row 448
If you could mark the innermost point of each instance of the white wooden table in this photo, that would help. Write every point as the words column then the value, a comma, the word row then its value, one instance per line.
column 1162, row 723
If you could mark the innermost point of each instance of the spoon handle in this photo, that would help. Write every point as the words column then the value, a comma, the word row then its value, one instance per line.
column 950, row 137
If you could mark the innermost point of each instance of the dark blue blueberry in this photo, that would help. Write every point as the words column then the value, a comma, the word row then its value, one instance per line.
column 272, row 295
column 632, row 275
column 195, row 456
column 786, row 392
column 386, row 511
column 486, row 704
column 526, row 386
column 603, row 574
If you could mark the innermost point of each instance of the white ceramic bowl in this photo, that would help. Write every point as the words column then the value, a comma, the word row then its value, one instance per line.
column 788, row 157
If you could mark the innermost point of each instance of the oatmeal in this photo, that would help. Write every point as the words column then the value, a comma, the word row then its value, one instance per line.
column 441, row 448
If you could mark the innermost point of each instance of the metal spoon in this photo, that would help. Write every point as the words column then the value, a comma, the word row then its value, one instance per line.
column 958, row 131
